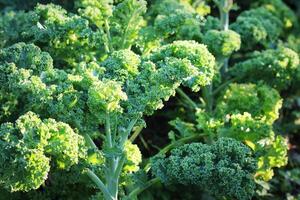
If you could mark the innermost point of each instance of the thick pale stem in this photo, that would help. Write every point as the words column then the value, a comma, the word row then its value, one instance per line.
column 187, row 98
column 224, row 15
column 90, row 142
column 113, row 187
column 136, row 133
column 139, row 190
column 115, row 163
column 99, row 184
column 225, row 84
column 112, row 183
column 119, row 167
column 109, row 48
column 127, row 132
column 208, row 98
column 224, row 68
column 224, row 9
column 108, row 131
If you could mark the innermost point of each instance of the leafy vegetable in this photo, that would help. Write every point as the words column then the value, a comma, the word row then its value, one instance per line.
column 223, row 169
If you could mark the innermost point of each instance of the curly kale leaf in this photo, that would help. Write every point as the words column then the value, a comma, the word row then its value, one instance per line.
column 17, row 26
column 270, row 150
column 68, row 38
column 243, row 127
column 260, row 101
column 122, row 65
column 126, row 23
column 30, row 83
column 257, row 27
column 195, row 54
column 20, row 67
column 275, row 67
column 27, row 56
column 222, row 43
column 164, row 70
column 104, row 97
column 133, row 158
column 95, row 11
column 178, row 25
column 169, row 20
column 29, row 146
column 279, row 9
column 272, row 156
column 153, row 85
column 246, row 112
column 210, row 23
column 63, row 144
column 165, row 7
column 224, row 169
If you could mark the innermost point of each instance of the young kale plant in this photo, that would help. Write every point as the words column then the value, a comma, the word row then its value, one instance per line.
column 78, row 80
